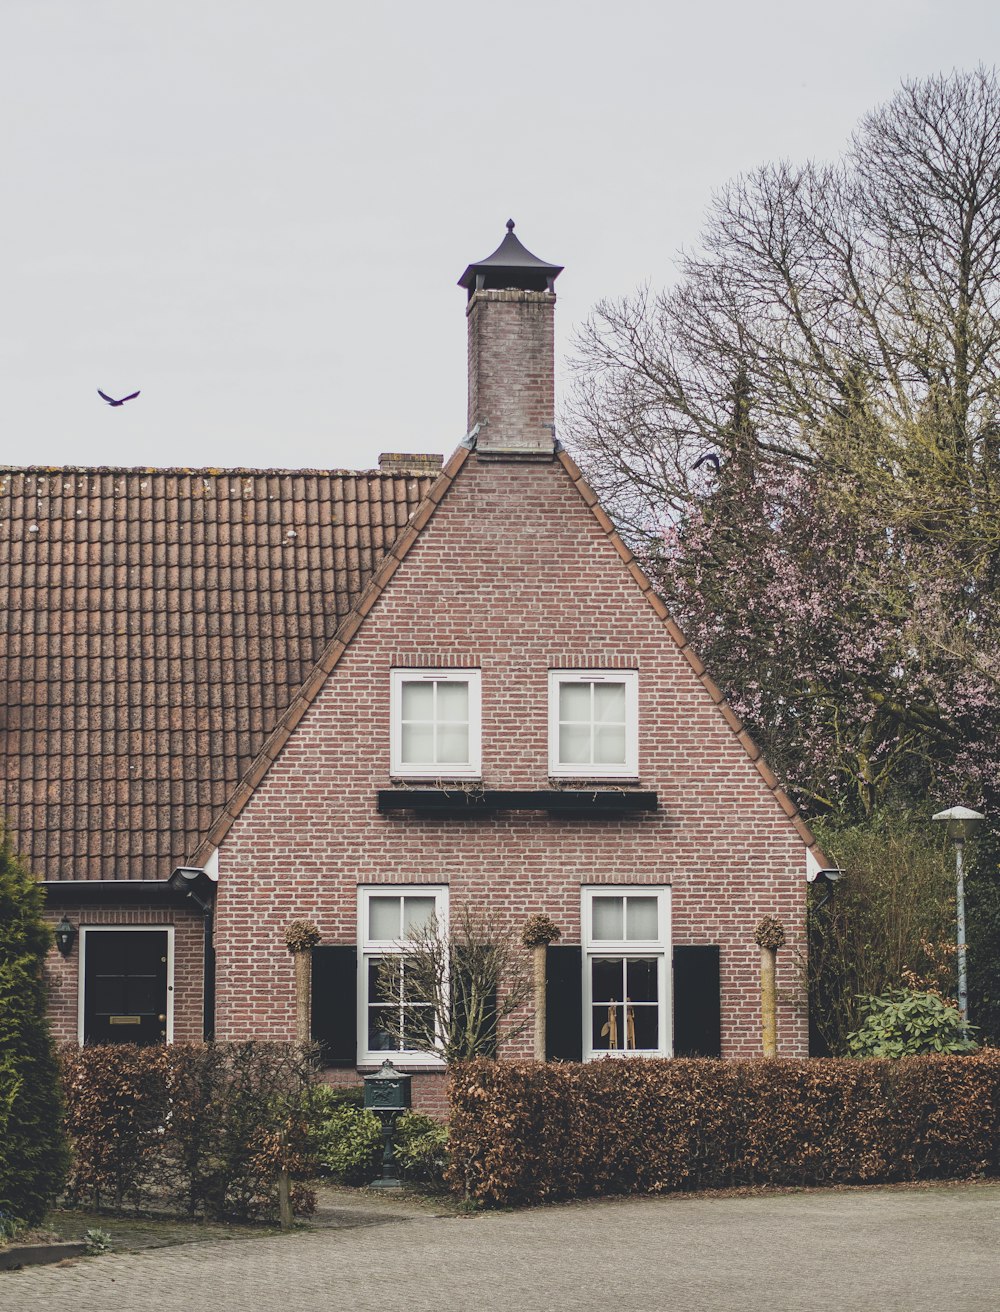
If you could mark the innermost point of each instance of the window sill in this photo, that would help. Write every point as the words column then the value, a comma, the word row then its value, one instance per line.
column 594, row 802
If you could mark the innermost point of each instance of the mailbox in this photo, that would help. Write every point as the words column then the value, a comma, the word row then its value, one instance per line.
column 387, row 1090
column 387, row 1093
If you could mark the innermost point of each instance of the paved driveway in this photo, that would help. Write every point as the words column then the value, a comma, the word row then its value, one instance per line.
column 894, row 1250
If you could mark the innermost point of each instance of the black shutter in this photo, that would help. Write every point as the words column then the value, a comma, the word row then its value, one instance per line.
column 564, row 1003
column 461, row 988
column 335, row 1004
column 697, row 1002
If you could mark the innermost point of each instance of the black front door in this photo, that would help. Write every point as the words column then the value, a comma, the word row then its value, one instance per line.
column 125, row 986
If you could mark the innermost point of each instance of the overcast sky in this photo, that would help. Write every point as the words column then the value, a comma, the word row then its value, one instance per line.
column 256, row 211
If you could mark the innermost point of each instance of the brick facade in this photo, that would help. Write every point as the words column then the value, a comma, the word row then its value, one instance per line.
column 514, row 575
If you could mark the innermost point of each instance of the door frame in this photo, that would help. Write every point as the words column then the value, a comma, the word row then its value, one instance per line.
column 85, row 931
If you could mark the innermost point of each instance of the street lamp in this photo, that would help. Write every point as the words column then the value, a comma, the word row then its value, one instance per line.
column 962, row 824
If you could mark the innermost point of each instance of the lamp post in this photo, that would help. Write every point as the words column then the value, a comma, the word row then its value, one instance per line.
column 962, row 824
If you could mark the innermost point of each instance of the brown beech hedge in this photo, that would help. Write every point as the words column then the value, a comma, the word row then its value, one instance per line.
column 526, row 1132
column 202, row 1128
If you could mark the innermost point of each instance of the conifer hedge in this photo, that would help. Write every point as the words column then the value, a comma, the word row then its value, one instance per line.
column 527, row 1132
column 32, row 1149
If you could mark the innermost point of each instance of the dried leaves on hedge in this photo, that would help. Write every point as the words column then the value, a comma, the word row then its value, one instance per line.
column 531, row 1132
column 203, row 1127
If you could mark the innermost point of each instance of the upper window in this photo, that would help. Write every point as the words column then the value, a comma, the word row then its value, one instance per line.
column 386, row 916
column 626, row 981
column 594, row 723
column 436, row 724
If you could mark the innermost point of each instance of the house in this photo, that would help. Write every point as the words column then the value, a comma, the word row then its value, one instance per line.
column 236, row 699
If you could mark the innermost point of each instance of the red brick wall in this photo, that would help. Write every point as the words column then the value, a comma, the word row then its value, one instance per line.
column 63, row 973
column 512, row 574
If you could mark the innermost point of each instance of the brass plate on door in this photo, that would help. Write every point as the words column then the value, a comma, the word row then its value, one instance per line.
column 124, row 1020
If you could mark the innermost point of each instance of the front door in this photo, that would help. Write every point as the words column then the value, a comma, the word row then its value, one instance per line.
column 125, row 986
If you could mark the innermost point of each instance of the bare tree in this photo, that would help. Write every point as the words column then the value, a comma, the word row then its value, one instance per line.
column 858, row 298
column 458, row 990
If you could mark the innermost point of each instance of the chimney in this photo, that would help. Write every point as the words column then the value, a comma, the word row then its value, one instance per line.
column 512, row 352
column 400, row 462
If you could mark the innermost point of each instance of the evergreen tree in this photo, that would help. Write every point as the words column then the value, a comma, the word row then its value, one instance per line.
column 33, row 1156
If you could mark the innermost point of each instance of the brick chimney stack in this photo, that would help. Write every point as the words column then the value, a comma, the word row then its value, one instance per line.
column 511, row 314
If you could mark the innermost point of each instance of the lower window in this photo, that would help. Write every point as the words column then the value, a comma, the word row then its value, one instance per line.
column 626, row 936
column 391, row 1022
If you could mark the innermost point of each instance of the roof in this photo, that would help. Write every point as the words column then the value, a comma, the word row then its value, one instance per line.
column 155, row 625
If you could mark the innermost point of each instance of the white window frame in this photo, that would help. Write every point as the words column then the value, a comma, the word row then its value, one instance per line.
column 471, row 769
column 85, row 932
column 597, row 770
column 370, row 949
column 659, row 947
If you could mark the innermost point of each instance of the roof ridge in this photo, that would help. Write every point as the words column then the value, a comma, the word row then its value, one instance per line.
column 211, row 471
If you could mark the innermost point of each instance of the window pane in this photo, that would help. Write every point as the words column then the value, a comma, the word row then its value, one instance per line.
column 417, row 911
column 609, row 703
column 452, row 745
column 452, row 701
column 375, row 991
column 644, row 1030
column 641, row 976
column 417, row 744
column 609, row 745
column 379, row 1040
column 574, row 744
column 574, row 701
column 384, row 918
column 608, row 918
column 640, row 918
column 607, row 979
column 418, row 1023
column 608, row 1029
column 418, row 700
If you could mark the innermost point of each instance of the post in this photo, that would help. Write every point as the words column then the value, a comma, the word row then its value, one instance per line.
column 539, row 931
column 303, row 996
column 769, row 936
column 538, row 953
column 301, row 936
column 768, row 1002
column 963, row 978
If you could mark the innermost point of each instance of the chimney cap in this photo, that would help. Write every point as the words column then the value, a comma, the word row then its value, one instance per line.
column 510, row 265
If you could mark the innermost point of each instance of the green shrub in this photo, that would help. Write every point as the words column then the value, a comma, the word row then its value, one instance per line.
column 905, row 1023
column 528, row 1132
column 32, row 1147
column 347, row 1139
column 421, row 1145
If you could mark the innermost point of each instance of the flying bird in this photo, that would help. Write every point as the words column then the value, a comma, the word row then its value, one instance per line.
column 111, row 400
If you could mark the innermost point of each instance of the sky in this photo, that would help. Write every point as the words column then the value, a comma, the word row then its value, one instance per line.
column 257, row 211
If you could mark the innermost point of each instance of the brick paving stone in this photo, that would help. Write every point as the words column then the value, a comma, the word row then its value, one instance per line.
column 899, row 1250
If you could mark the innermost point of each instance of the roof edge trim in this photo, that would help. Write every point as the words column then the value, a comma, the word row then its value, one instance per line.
column 329, row 658
column 733, row 721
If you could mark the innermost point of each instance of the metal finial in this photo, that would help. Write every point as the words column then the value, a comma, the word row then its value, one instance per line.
column 510, row 225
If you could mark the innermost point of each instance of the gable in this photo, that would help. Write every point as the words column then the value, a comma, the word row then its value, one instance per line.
column 507, row 568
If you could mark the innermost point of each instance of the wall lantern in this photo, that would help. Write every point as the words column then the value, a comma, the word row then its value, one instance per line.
column 387, row 1093
column 962, row 824
column 65, row 936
